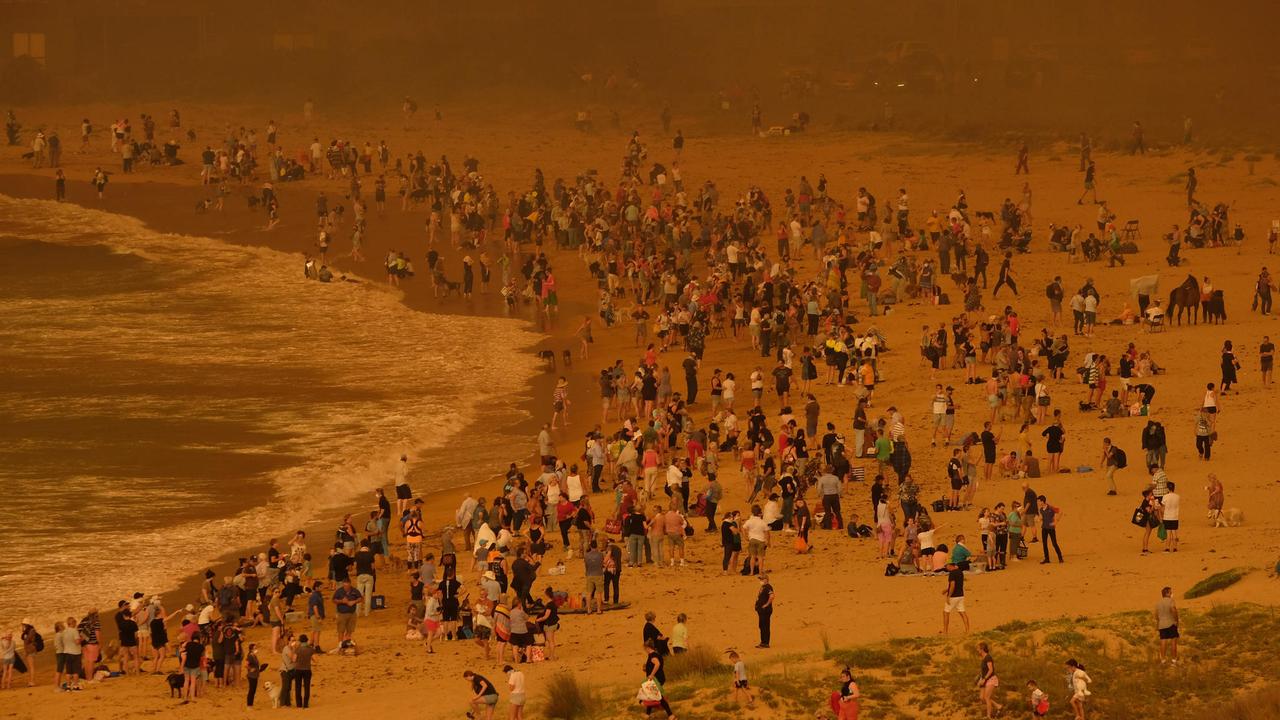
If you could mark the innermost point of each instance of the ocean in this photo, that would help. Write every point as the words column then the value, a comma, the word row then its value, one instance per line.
column 167, row 399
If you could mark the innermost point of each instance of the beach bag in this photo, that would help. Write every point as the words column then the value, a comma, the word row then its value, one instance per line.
column 1042, row 708
column 38, row 640
column 1139, row 517
column 378, row 602
column 650, row 693
column 1121, row 460
column 1021, row 552
column 890, row 570
column 1161, row 532
column 801, row 545
column 940, row 505
column 613, row 526
column 535, row 653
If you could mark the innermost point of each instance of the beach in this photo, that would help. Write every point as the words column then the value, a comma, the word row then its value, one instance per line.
column 839, row 591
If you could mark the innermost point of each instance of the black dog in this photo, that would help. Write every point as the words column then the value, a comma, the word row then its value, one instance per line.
column 568, row 358
column 549, row 356
column 452, row 288
column 1215, row 308
column 254, row 202
column 176, row 681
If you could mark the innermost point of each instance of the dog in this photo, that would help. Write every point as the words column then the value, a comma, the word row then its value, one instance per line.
column 273, row 692
column 202, row 206
column 451, row 288
column 1233, row 517
column 254, row 202
column 1215, row 309
column 395, row 563
column 176, row 681
column 549, row 356
column 568, row 358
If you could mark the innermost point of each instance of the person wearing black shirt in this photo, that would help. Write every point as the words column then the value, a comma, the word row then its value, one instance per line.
column 955, row 597
column 339, row 565
column 366, row 577
column 730, row 540
column 654, row 670
column 523, row 573
column 1005, row 276
column 653, row 637
column 192, row 654
column 691, row 379
column 764, row 609
column 486, row 695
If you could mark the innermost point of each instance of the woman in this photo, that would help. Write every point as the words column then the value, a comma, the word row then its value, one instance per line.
column 159, row 633
column 730, row 541
column 432, row 620
column 584, row 337
column 654, row 670
column 847, row 703
column 1079, row 687
column 885, row 523
column 549, row 621
column 8, row 657
column 987, row 680
column 252, row 669
column 275, row 617
column 521, row 637
column 1056, row 435
column 1229, row 366
column 803, row 522
column 1147, row 517
column 1217, row 495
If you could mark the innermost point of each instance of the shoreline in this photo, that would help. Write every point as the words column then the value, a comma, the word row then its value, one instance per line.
column 414, row 295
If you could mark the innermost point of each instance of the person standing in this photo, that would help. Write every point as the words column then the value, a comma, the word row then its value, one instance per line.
column 1229, row 366
column 302, row 653
column 764, row 610
column 1139, row 143
column 252, row 671
column 1171, row 511
column 1110, row 461
column 1266, row 358
column 1049, row 517
column 690, row 365
column 1090, row 184
column 1167, row 626
column 954, row 594
column 346, row 600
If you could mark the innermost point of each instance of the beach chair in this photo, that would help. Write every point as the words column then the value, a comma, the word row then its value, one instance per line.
column 1131, row 232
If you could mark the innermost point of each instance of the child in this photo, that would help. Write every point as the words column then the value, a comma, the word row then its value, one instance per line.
column 1039, row 701
column 680, row 635
column 740, row 679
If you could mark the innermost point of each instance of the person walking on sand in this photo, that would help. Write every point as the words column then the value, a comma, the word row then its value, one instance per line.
column 1079, row 681
column 764, row 610
column 1049, row 517
column 988, row 681
column 1090, row 184
column 740, row 684
column 655, row 670
column 99, row 181
column 516, row 696
column 1167, row 626
column 560, row 403
column 954, row 594
column 1005, row 276
column 1024, row 155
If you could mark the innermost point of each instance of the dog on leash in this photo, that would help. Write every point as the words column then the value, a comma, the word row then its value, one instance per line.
column 175, row 681
column 273, row 691
column 1233, row 517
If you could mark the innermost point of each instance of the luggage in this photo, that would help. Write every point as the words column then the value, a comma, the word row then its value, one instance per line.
column 379, row 602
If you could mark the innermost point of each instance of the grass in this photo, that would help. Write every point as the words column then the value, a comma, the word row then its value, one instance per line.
column 1216, row 582
column 699, row 661
column 1261, row 705
column 568, row 699
column 862, row 658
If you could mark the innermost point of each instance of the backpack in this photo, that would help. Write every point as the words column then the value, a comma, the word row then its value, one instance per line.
column 38, row 640
column 1120, row 459
column 890, row 570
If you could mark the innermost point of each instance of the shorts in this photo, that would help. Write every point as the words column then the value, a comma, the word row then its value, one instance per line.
column 490, row 699
column 516, row 699
column 1170, row 524
column 524, row 639
column 403, row 492
column 1090, row 318
column 992, row 682
column 75, row 663
column 740, row 684
column 594, row 585
column 755, row 548
column 676, row 539
column 61, row 659
column 346, row 623
column 948, row 421
column 1211, row 410
column 482, row 632
column 955, row 603
column 191, row 672
column 1169, row 633
column 317, row 624
column 937, row 419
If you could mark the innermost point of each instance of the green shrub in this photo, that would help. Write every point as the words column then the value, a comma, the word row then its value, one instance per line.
column 567, row 699
column 862, row 658
column 1216, row 582
column 698, row 662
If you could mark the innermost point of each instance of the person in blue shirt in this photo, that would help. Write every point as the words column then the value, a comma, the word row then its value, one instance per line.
column 316, row 614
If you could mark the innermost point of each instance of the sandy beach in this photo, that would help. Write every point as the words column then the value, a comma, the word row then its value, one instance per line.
column 837, row 594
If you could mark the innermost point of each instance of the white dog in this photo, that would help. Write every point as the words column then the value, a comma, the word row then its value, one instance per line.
column 273, row 692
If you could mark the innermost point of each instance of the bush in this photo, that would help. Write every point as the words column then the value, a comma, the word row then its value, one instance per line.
column 567, row 699
column 862, row 658
column 1216, row 582
column 699, row 661
column 1261, row 705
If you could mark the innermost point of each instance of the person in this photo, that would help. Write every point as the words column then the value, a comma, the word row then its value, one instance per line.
column 593, row 563
column 1005, row 276
column 757, row 531
column 740, row 685
column 346, row 600
column 654, row 669
column 1049, row 517
column 253, row 669
column 549, row 621
column 485, row 698
column 302, row 654
column 1079, row 687
column 1266, row 358
column 1204, row 435
column 1167, row 626
column 1170, row 512
column 1039, row 701
column 680, row 635
column 954, row 594
column 1111, row 462
column 1229, row 367
column 1217, row 496
column 1147, row 517
column 988, row 681
column 516, row 695
column 845, row 700
column 1090, row 184
column 191, row 660
column 32, row 644
column 764, row 609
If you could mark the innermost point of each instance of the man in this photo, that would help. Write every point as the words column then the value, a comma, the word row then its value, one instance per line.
column 954, row 595
column 1111, row 462
column 1167, row 626
column 1055, row 293
column 1049, row 516
column 346, row 600
column 316, row 614
column 1153, row 441
column 1266, row 357
column 757, row 531
column 764, row 609
column 486, row 695
column 1024, row 155
column 546, row 450
column 673, row 524
column 715, row 492
column 365, row 575
column 593, row 563
column 829, row 489
column 691, row 378
column 302, row 653
column 1171, row 505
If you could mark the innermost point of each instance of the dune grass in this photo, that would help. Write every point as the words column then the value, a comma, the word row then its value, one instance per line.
column 699, row 661
column 1216, row 582
column 568, row 699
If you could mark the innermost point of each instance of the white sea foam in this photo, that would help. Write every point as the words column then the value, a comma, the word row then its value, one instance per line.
column 373, row 379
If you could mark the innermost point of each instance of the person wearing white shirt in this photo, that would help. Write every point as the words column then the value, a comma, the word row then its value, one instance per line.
column 1171, row 510
column 757, row 531
column 515, row 682
column 573, row 485
column 773, row 513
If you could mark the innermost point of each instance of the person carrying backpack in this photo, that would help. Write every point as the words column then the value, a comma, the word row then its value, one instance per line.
column 1113, row 459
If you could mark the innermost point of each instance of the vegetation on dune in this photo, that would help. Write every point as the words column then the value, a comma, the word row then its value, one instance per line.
column 1216, row 582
